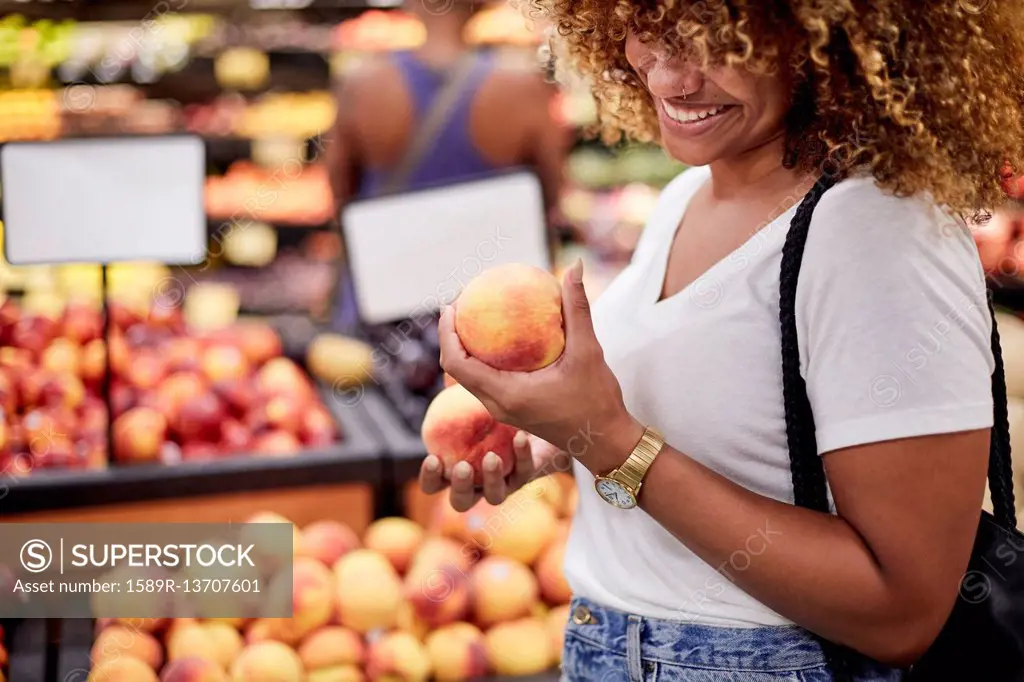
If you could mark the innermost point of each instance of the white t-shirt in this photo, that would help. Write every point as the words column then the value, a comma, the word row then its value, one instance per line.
column 894, row 340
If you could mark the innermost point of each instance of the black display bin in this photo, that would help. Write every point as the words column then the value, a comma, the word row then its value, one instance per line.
column 26, row 643
column 359, row 457
column 404, row 447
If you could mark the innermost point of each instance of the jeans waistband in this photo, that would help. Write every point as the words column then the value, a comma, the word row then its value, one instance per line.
column 782, row 648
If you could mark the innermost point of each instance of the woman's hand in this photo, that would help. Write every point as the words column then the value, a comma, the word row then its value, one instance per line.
column 534, row 458
column 575, row 403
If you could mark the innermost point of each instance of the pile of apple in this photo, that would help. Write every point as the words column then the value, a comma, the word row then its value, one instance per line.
column 175, row 395
column 472, row 594
column 4, row 658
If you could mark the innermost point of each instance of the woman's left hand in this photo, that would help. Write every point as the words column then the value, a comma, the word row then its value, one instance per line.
column 575, row 403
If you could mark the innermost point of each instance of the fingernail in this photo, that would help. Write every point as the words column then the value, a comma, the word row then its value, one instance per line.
column 520, row 439
column 462, row 470
column 491, row 462
column 432, row 463
column 576, row 272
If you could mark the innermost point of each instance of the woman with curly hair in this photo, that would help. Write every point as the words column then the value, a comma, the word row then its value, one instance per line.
column 668, row 396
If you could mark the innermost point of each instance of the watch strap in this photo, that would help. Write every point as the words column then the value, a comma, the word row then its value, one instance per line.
column 633, row 470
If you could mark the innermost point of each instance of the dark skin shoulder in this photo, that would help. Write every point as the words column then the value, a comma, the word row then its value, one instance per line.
column 510, row 124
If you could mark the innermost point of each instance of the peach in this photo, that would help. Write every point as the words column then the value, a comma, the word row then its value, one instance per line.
column 447, row 522
column 267, row 661
column 193, row 670
column 331, row 646
column 222, row 362
column 175, row 391
column 438, row 593
column 398, row 656
column 117, row 641
column 502, row 589
column 444, row 553
column 281, row 376
column 397, row 538
column 327, row 541
column 457, row 427
column 270, row 558
column 550, row 575
column 519, row 647
column 138, row 435
column 262, row 630
column 547, row 489
column 189, row 639
column 124, row 669
column 368, row 591
column 259, row 342
column 556, row 620
column 338, row 673
column 310, row 587
column 63, row 356
column 226, row 641
column 457, row 653
column 510, row 317
column 408, row 621
column 520, row 528
column 140, row 624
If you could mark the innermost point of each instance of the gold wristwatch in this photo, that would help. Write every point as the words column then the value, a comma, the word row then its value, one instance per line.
column 621, row 486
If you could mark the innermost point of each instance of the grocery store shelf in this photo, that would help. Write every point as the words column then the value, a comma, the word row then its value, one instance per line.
column 357, row 458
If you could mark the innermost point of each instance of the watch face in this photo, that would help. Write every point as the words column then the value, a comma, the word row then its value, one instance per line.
column 615, row 493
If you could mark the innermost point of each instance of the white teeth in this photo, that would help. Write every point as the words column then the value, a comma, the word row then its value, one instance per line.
column 689, row 116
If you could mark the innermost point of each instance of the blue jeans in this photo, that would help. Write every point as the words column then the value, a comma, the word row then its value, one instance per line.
column 605, row 645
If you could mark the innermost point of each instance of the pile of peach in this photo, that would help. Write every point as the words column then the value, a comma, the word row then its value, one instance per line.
column 475, row 593
column 176, row 395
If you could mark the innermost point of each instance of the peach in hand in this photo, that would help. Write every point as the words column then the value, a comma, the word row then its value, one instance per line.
column 510, row 317
column 458, row 428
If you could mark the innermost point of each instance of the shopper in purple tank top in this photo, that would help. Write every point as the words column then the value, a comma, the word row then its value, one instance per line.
column 501, row 119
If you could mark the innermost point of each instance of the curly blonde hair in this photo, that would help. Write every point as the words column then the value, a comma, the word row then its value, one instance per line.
column 927, row 94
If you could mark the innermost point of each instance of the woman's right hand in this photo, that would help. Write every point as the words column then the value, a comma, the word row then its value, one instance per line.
column 533, row 457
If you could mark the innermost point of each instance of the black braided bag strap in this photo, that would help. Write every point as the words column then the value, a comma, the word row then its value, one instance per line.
column 809, row 484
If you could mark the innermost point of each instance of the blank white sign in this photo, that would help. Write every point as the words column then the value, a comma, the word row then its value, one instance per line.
column 104, row 200
column 412, row 253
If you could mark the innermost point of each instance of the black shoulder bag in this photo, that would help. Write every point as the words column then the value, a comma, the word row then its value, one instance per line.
column 983, row 641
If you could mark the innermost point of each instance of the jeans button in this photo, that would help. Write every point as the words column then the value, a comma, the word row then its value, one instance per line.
column 581, row 615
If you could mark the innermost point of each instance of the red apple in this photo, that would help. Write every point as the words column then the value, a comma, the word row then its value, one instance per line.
column 123, row 397
column 9, row 316
column 8, row 391
column 259, row 342
column 175, row 390
column 199, row 451
column 283, row 413
column 93, row 362
column 120, row 355
column 122, row 317
column 92, row 417
column 181, row 353
column 237, row 394
column 146, row 370
column 234, row 436
column 56, row 453
column 164, row 315
column 222, row 362
column 33, row 333
column 199, row 418
column 138, row 435
column 62, row 390
column 318, row 428
column 82, row 323
column 277, row 444
column 63, row 356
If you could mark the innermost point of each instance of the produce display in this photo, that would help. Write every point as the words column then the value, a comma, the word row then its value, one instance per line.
column 471, row 594
column 29, row 115
column 293, row 194
column 176, row 395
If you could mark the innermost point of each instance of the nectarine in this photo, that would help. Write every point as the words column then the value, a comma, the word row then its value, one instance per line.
column 502, row 589
column 510, row 317
column 457, row 427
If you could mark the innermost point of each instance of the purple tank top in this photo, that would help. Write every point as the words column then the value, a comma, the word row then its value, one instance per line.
column 452, row 157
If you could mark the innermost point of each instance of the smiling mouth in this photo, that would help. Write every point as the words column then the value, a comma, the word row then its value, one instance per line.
column 694, row 113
